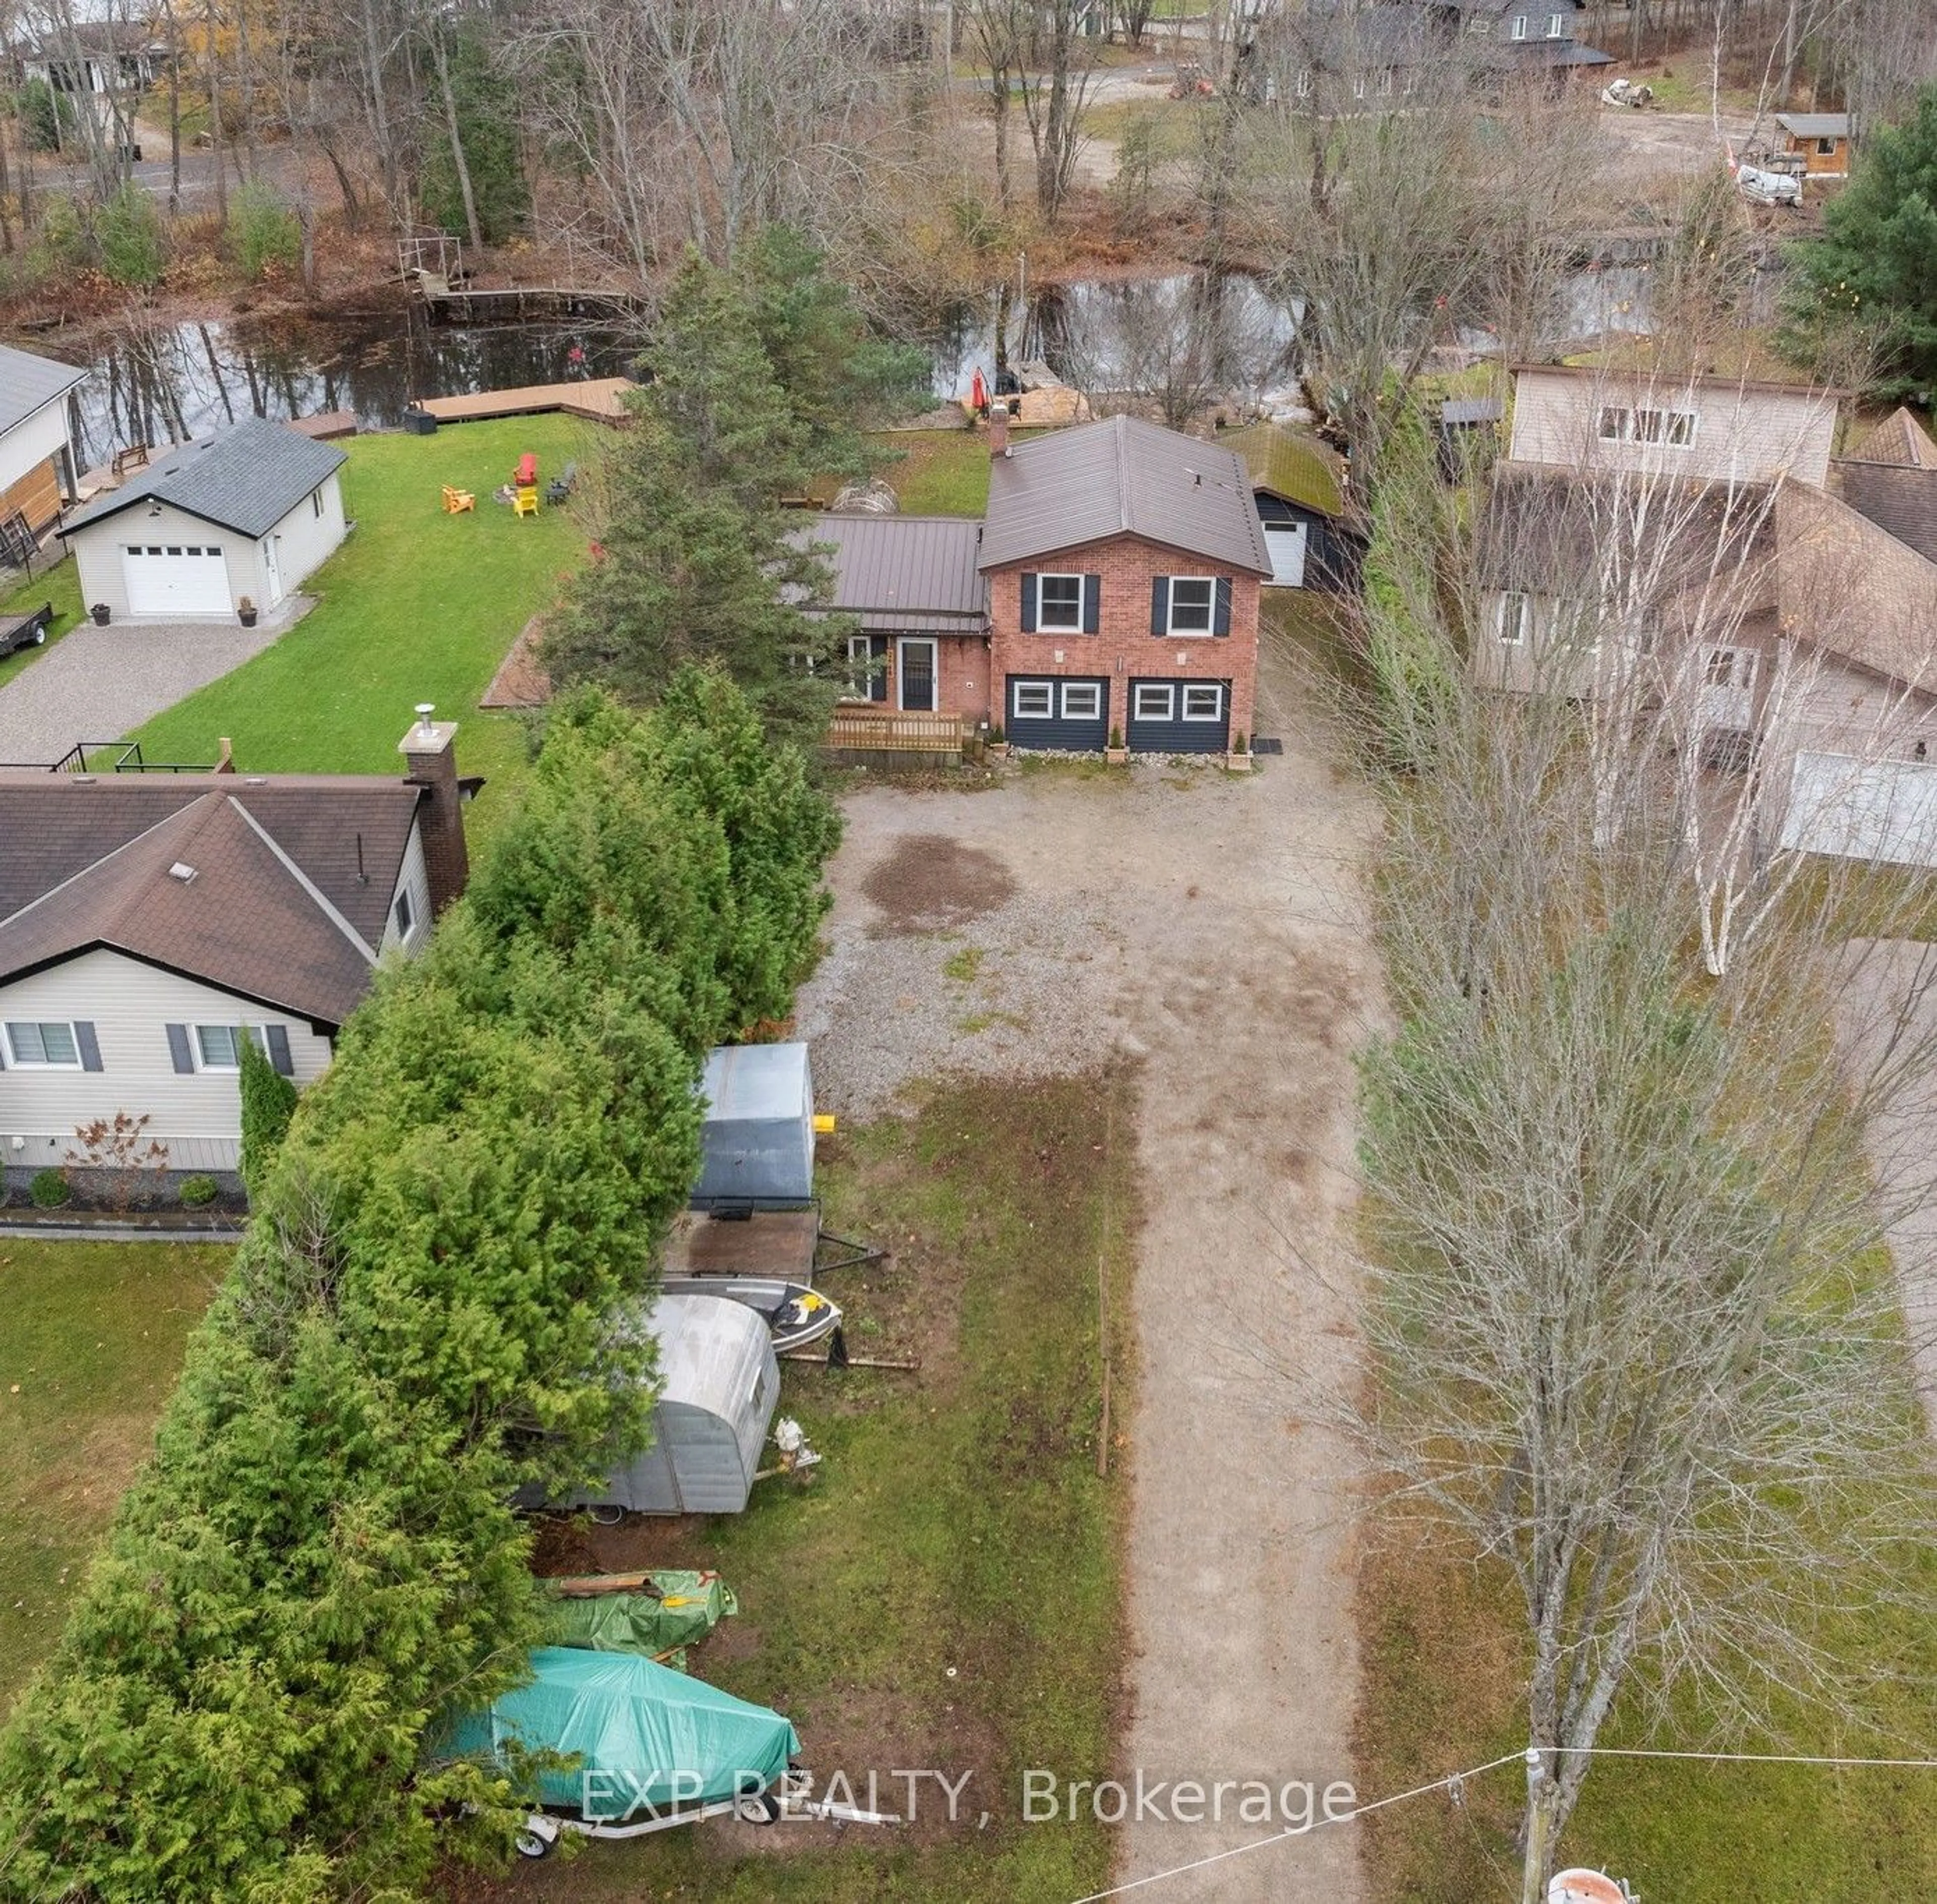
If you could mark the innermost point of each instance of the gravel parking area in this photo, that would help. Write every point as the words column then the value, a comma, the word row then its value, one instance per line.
column 100, row 684
column 1212, row 929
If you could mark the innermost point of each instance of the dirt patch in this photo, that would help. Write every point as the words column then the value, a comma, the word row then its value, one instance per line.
column 931, row 883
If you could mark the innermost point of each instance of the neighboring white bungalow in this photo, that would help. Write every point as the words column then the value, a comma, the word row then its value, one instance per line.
column 244, row 516
column 36, row 458
column 149, row 922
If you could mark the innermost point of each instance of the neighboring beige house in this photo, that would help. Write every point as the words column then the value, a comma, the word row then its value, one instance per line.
column 148, row 922
column 1712, row 429
column 242, row 518
column 36, row 458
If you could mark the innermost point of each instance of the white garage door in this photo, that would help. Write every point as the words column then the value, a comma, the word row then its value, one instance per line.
column 176, row 578
column 1286, row 541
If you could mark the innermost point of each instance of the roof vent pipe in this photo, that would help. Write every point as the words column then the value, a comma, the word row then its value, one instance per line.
column 425, row 710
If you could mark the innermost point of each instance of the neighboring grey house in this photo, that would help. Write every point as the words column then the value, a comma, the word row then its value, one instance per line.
column 244, row 516
column 148, row 922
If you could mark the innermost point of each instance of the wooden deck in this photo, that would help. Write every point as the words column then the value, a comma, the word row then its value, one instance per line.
column 860, row 730
column 599, row 400
column 326, row 425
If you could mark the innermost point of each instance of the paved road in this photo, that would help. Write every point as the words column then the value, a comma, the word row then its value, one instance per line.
column 1215, row 931
column 100, row 683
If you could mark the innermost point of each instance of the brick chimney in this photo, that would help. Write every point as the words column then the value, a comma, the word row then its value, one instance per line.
column 999, row 428
column 433, row 764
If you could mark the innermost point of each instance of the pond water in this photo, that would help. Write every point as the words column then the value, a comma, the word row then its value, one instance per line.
column 165, row 382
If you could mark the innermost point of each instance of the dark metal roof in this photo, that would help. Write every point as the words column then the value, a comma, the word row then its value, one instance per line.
column 29, row 382
column 1815, row 125
column 1122, row 478
column 292, row 890
column 247, row 478
column 906, row 572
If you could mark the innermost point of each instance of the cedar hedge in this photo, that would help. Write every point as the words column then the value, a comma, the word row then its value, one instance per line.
column 323, row 1554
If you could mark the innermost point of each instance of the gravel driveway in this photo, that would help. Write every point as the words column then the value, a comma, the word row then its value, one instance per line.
column 100, row 684
column 1214, row 929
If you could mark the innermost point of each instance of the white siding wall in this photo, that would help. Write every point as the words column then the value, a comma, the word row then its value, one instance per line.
column 199, row 1116
column 1745, row 435
column 97, row 558
column 32, row 440
column 305, row 540
column 413, row 878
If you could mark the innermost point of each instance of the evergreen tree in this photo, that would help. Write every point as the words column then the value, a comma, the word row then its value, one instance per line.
column 268, row 1103
column 1875, row 265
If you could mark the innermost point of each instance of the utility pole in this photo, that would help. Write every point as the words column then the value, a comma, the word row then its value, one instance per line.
column 1534, row 1870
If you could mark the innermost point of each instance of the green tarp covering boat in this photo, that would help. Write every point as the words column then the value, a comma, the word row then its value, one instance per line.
column 682, row 1608
column 648, row 1740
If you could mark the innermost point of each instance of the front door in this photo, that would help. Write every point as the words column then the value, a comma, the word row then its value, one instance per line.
column 917, row 671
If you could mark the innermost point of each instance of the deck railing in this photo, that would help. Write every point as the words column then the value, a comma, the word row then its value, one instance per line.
column 859, row 731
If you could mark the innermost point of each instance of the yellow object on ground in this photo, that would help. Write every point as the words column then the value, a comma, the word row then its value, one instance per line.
column 526, row 503
column 456, row 502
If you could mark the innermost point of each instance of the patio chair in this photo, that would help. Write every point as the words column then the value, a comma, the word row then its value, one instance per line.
column 527, row 501
column 559, row 488
column 457, row 502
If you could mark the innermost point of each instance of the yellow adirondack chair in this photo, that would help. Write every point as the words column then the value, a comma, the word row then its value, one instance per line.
column 457, row 502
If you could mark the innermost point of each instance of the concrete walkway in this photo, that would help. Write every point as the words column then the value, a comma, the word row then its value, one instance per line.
column 100, row 684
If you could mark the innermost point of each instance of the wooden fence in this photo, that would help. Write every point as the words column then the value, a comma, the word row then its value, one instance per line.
column 857, row 732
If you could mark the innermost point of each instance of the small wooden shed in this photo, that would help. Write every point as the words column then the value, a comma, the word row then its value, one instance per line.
column 1821, row 140
column 719, row 1385
column 1298, row 483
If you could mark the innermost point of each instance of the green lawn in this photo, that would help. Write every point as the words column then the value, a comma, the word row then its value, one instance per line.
column 942, row 472
column 947, row 1593
column 93, row 1343
column 60, row 585
column 416, row 606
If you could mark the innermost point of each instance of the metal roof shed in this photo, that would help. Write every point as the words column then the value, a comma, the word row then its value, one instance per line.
column 719, row 1385
column 756, row 1144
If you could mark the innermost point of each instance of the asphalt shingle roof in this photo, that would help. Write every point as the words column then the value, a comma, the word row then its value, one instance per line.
column 1851, row 587
column 292, row 891
column 247, row 478
column 1899, row 438
column 1122, row 478
column 29, row 382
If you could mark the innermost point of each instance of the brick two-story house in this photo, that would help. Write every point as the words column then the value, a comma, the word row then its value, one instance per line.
column 1112, row 586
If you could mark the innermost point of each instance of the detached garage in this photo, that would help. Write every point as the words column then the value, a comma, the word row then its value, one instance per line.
column 245, row 516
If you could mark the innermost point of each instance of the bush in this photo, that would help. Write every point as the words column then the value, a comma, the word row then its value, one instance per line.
column 61, row 241
column 128, row 235
column 418, row 1322
column 262, row 232
column 198, row 1192
column 47, row 116
column 268, row 1102
column 50, row 1188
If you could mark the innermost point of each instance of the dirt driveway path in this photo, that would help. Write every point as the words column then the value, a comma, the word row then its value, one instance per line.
column 1214, row 929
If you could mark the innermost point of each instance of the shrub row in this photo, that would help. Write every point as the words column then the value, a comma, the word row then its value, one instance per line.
column 420, row 1319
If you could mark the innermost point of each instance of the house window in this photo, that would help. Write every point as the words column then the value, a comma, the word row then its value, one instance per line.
column 1479, row 25
column 1193, row 599
column 1082, row 701
column 1204, row 703
column 1304, row 82
column 1680, row 431
column 403, row 916
column 1613, row 423
column 1555, row 22
column 38, row 1046
column 1385, row 80
column 219, row 1048
column 1359, row 87
column 316, row 504
column 1032, row 700
column 1516, row 618
column 1152, row 701
column 1519, row 26
column 1060, row 604
column 1825, row 148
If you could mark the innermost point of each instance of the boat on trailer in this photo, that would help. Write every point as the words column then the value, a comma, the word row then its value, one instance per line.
column 797, row 1315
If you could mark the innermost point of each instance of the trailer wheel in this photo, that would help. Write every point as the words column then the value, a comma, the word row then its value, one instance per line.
column 756, row 1808
column 531, row 1843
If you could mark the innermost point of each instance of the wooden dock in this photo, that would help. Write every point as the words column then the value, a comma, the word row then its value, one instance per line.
column 599, row 400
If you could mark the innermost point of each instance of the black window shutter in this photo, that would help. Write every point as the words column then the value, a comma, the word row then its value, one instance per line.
column 1220, row 619
column 1093, row 603
column 178, row 1047
column 877, row 670
column 279, row 1050
column 90, row 1045
column 1029, row 605
column 1159, row 605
